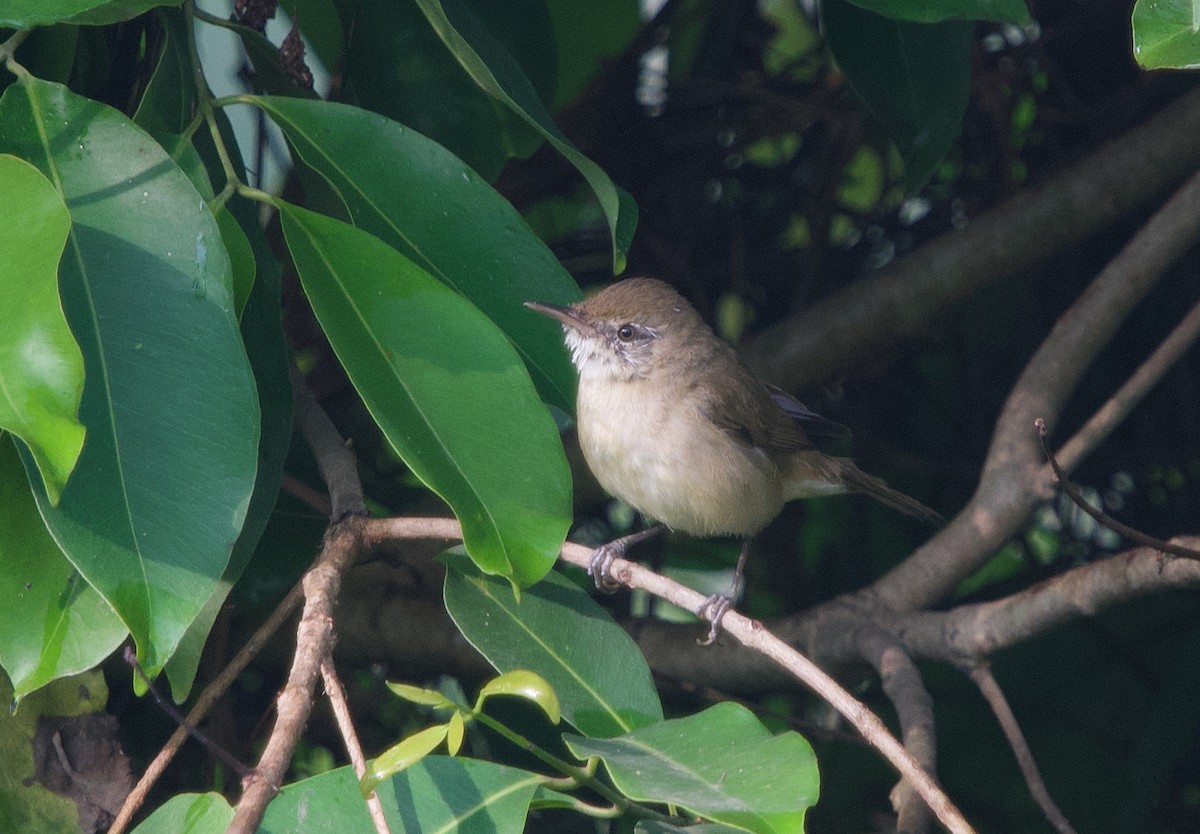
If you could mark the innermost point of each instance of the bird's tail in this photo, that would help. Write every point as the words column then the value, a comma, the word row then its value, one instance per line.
column 858, row 481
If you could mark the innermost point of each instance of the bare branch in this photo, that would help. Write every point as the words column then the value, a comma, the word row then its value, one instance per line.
column 314, row 635
column 314, row 641
column 205, row 702
column 902, row 684
column 898, row 302
column 1105, row 520
column 1110, row 415
column 968, row 633
column 341, row 714
column 1013, row 477
column 981, row 674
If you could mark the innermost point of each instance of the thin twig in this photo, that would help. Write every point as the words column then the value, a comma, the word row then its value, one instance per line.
column 166, row 706
column 748, row 632
column 981, row 674
column 753, row 635
column 341, row 714
column 205, row 702
column 1110, row 415
column 315, row 633
column 314, row 641
column 1104, row 518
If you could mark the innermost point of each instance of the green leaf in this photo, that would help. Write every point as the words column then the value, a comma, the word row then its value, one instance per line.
column 721, row 764
column 26, row 805
column 438, row 793
column 915, row 78
column 523, row 684
column 601, row 679
column 455, row 730
column 935, row 11
column 1166, row 34
column 41, row 368
column 501, row 77
column 588, row 34
column 419, row 695
column 21, row 14
column 160, row 491
column 446, row 388
column 169, row 101
column 396, row 65
column 189, row 813
column 400, row 757
column 54, row 623
column 262, row 333
column 416, row 196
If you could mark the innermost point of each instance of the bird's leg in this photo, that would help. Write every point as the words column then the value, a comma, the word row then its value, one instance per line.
column 601, row 564
column 714, row 607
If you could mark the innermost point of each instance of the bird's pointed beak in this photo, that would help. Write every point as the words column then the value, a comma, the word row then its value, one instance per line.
column 566, row 315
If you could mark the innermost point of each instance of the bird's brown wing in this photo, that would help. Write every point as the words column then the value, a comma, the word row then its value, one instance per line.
column 743, row 407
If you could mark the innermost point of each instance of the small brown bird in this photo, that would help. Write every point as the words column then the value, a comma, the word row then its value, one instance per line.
column 672, row 423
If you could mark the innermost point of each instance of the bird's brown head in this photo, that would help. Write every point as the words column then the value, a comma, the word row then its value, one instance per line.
column 620, row 331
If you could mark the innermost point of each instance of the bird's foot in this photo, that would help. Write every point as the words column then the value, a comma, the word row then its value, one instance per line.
column 600, row 566
column 713, row 609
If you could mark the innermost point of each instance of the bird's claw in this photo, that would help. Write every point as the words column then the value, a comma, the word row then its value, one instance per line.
column 600, row 569
column 713, row 609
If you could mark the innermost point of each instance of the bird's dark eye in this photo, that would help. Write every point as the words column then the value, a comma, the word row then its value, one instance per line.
column 625, row 332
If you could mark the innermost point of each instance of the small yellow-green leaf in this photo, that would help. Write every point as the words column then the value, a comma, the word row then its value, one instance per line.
column 523, row 684
column 401, row 756
column 417, row 695
column 454, row 733
column 41, row 366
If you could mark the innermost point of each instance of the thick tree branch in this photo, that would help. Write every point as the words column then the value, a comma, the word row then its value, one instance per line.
column 970, row 633
column 314, row 635
column 1014, row 477
column 898, row 302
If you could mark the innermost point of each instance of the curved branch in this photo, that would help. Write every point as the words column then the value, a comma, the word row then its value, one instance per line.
column 914, row 707
column 899, row 301
column 981, row 674
column 1014, row 477
column 969, row 633
column 314, row 635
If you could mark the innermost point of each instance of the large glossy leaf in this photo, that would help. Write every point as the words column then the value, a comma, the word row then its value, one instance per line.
column 1166, row 34
column 500, row 76
column 190, row 813
column 53, row 623
column 20, row 14
column 436, row 794
column 449, row 392
column 41, row 368
column 396, row 65
column 418, row 197
column 721, row 764
column 935, row 11
column 160, row 491
column 262, row 332
column 602, row 681
column 588, row 34
column 914, row 77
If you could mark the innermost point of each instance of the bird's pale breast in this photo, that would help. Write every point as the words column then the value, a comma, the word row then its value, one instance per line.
column 654, row 451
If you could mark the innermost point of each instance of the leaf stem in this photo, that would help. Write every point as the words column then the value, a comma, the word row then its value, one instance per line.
column 204, row 98
column 8, row 51
column 582, row 775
